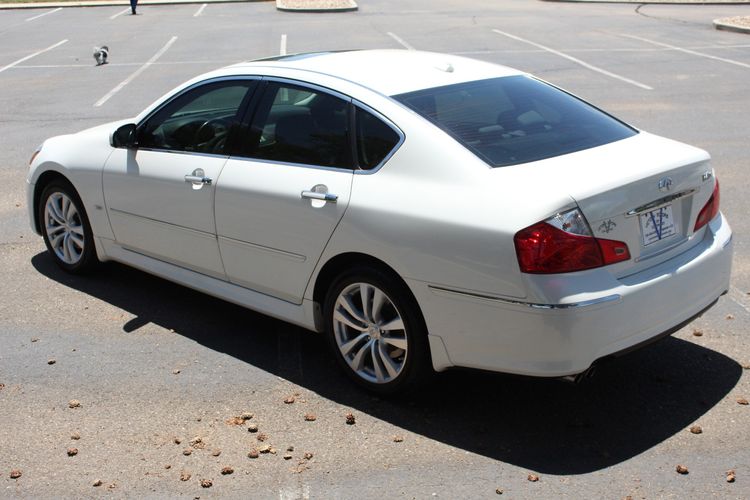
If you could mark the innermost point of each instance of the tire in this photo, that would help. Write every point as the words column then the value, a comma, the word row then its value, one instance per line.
column 65, row 228
column 383, row 347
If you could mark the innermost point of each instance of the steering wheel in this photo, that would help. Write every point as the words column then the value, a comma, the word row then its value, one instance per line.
column 211, row 134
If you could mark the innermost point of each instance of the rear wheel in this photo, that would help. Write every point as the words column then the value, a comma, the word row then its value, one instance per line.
column 65, row 228
column 376, row 331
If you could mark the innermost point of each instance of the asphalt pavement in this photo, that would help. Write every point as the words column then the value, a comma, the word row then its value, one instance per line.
column 160, row 372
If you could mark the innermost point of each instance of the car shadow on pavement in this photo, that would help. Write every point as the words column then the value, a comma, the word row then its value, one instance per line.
column 546, row 425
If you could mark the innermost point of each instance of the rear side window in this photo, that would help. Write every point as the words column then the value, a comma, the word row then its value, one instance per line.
column 515, row 119
column 295, row 124
column 375, row 139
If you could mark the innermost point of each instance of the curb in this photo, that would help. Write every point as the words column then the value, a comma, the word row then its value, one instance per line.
column 318, row 6
column 726, row 25
column 112, row 3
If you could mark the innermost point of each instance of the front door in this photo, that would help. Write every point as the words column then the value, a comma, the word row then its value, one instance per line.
column 160, row 194
column 278, row 203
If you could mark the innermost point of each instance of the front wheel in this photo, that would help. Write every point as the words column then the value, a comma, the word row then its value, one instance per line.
column 376, row 331
column 65, row 228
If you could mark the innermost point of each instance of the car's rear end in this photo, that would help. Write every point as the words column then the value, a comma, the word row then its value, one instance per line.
column 640, row 249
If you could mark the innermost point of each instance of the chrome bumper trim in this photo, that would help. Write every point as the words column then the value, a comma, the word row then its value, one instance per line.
column 533, row 305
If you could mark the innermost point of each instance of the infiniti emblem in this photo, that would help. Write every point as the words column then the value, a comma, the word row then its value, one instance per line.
column 665, row 184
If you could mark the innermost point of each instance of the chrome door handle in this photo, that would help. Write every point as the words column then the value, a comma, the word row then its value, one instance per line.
column 198, row 179
column 320, row 196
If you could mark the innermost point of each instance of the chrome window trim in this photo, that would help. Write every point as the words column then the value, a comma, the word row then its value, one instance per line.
column 290, row 164
column 660, row 202
column 533, row 305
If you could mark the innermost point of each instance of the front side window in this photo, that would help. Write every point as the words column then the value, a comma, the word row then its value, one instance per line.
column 197, row 121
column 296, row 124
column 515, row 119
column 375, row 139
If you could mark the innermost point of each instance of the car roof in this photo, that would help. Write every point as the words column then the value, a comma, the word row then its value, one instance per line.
column 388, row 72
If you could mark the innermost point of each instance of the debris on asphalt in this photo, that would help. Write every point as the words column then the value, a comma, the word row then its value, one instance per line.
column 97, row 483
column 177, row 440
column 15, row 474
column 272, row 450
column 731, row 476
column 309, row 417
column 290, row 448
column 197, row 443
column 216, row 452
column 742, row 401
column 681, row 469
column 696, row 429
column 730, row 316
column 265, row 448
column 253, row 453
column 175, row 372
column 499, row 491
column 235, row 421
column 287, row 456
column 261, row 437
column 698, row 333
column 51, row 361
column 74, row 403
column 745, row 366
column 206, row 483
column 35, row 339
column 2, row 386
column 252, row 428
column 187, row 451
column 289, row 400
column 185, row 476
column 533, row 478
column 350, row 420
column 227, row 470
column 72, row 452
column 398, row 439
column 75, row 436
column 246, row 416
column 308, row 455
column 167, row 466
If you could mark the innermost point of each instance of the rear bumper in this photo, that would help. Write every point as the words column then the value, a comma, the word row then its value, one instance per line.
column 567, row 336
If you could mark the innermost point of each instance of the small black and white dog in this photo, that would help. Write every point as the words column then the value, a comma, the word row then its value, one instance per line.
column 101, row 54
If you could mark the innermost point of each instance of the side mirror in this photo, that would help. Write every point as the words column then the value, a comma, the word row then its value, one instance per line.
column 124, row 137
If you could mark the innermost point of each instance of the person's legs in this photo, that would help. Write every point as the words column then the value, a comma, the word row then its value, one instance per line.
column 133, row 3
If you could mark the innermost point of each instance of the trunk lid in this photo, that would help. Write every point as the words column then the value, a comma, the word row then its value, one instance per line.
column 646, row 191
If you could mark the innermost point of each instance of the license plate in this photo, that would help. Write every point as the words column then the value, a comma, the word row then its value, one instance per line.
column 657, row 225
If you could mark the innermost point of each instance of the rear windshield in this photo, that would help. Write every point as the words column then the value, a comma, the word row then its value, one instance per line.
column 515, row 119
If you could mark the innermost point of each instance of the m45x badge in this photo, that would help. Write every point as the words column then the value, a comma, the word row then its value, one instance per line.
column 607, row 226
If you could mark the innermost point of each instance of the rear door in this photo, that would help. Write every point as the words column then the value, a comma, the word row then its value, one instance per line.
column 280, row 199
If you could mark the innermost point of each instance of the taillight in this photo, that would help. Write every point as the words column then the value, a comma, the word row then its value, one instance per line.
column 564, row 243
column 709, row 210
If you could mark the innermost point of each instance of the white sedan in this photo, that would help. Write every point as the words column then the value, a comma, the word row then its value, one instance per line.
column 422, row 210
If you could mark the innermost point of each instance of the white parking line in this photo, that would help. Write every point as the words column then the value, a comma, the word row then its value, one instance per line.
column 32, row 55
column 135, row 73
column 200, row 10
column 282, row 45
column 113, row 16
column 577, row 61
column 45, row 14
column 688, row 51
column 400, row 40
